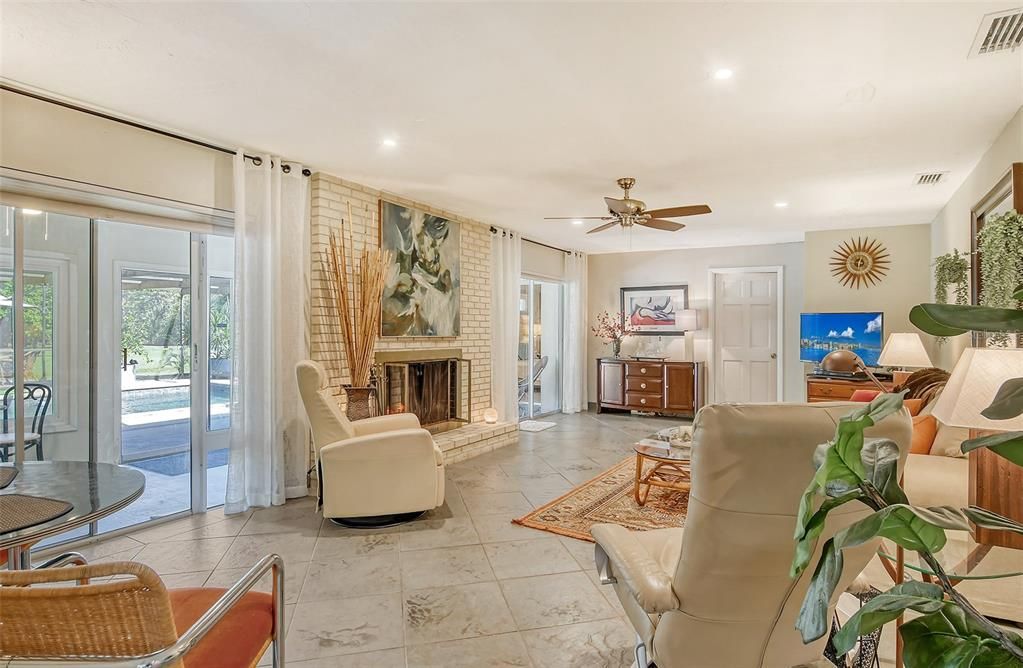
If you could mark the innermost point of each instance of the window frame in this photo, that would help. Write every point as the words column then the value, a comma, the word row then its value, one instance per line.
column 63, row 415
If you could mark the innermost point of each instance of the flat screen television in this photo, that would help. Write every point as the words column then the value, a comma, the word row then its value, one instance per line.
column 820, row 333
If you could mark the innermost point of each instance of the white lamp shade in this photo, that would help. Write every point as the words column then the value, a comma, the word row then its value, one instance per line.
column 904, row 350
column 978, row 375
column 688, row 320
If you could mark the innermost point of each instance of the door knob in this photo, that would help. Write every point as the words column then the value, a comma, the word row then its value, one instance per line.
column 774, row 356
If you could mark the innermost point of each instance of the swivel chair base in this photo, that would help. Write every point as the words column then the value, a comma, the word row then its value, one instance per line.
column 377, row 521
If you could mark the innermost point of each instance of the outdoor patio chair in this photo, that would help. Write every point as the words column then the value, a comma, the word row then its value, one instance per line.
column 38, row 396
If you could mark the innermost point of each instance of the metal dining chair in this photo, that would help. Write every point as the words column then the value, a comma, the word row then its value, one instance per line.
column 120, row 615
column 38, row 396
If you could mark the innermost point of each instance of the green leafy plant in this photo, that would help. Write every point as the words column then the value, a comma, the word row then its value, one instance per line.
column 951, row 270
column 1000, row 243
column 949, row 632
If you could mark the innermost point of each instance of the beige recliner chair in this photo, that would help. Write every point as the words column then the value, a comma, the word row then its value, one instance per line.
column 717, row 593
column 374, row 472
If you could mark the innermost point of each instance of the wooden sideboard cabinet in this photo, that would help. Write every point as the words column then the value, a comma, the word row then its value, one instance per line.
column 674, row 388
column 829, row 388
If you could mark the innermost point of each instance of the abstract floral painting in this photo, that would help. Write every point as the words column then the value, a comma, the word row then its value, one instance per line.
column 421, row 289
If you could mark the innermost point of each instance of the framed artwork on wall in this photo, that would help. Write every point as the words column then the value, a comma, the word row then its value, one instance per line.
column 421, row 289
column 654, row 310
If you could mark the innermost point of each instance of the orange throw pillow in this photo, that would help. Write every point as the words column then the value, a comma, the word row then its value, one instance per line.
column 925, row 428
column 864, row 396
column 914, row 406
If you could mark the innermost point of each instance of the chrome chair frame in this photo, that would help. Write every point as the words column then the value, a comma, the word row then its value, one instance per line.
column 190, row 638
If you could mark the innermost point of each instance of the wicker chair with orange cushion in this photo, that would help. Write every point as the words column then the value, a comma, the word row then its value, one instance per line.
column 132, row 619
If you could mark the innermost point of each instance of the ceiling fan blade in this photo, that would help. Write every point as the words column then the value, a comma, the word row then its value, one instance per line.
column 601, row 228
column 678, row 211
column 616, row 205
column 578, row 218
column 659, row 224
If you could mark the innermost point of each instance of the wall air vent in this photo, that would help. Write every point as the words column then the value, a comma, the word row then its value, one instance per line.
column 1001, row 31
column 929, row 178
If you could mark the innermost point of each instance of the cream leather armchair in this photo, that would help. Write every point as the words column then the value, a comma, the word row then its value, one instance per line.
column 717, row 593
column 373, row 472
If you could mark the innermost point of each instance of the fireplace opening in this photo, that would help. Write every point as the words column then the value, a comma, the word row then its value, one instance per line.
column 433, row 389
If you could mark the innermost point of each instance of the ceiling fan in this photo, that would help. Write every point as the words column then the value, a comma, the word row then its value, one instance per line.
column 628, row 212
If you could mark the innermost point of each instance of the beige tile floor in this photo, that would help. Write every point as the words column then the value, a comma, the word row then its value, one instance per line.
column 460, row 587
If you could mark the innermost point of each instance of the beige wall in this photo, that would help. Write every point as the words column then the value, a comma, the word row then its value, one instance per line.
column 907, row 282
column 45, row 138
column 330, row 197
column 607, row 273
column 951, row 227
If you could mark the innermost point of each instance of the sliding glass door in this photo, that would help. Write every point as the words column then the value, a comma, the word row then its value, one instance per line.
column 540, row 335
column 122, row 347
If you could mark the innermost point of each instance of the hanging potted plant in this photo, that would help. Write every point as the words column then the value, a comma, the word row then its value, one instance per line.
column 355, row 286
column 951, row 270
column 1000, row 243
column 612, row 328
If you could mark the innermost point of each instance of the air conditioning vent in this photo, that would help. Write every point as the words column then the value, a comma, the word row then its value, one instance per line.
column 1001, row 31
column 930, row 178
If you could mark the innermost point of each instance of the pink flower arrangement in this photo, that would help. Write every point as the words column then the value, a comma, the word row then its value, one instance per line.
column 612, row 327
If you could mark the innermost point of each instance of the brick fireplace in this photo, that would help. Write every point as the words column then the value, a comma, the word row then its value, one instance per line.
column 467, row 434
column 427, row 383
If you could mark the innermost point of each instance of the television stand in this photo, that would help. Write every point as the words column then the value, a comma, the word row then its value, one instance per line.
column 831, row 387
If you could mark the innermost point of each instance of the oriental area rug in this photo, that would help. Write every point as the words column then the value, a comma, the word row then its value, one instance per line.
column 608, row 499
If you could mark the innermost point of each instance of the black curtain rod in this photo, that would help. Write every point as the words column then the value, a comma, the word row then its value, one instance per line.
column 494, row 230
column 123, row 121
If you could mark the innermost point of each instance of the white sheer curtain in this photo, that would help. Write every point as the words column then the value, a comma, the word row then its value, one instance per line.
column 506, row 269
column 268, row 456
column 573, row 352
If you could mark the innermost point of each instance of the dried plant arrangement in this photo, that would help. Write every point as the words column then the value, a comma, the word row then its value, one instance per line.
column 355, row 285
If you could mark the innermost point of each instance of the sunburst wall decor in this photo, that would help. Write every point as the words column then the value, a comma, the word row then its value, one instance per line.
column 860, row 262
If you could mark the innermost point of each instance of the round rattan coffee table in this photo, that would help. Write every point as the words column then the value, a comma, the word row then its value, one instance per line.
column 670, row 470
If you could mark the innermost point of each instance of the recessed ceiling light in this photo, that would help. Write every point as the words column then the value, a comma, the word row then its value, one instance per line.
column 389, row 142
column 780, row 205
column 31, row 212
column 577, row 222
column 723, row 74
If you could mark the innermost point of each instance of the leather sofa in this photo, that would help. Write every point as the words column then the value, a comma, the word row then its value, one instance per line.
column 717, row 593
column 372, row 472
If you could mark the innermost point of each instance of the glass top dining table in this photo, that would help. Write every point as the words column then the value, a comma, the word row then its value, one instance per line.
column 93, row 491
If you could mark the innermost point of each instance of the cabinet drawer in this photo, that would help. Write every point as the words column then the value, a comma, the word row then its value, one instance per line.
column 643, row 369
column 830, row 391
column 643, row 384
column 643, row 400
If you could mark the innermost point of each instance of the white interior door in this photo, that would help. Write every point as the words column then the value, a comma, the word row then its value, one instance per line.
column 746, row 336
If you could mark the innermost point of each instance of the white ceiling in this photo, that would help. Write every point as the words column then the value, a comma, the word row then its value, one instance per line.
column 508, row 112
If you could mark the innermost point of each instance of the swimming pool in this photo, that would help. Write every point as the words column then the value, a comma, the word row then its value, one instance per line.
column 144, row 400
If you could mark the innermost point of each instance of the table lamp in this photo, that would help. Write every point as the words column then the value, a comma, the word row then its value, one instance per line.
column 904, row 350
column 995, row 483
column 688, row 321
column 846, row 362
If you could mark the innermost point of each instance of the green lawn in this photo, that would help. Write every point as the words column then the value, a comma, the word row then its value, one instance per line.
column 160, row 360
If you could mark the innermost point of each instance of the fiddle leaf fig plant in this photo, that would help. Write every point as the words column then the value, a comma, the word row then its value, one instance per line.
column 948, row 632
column 853, row 468
column 940, row 319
